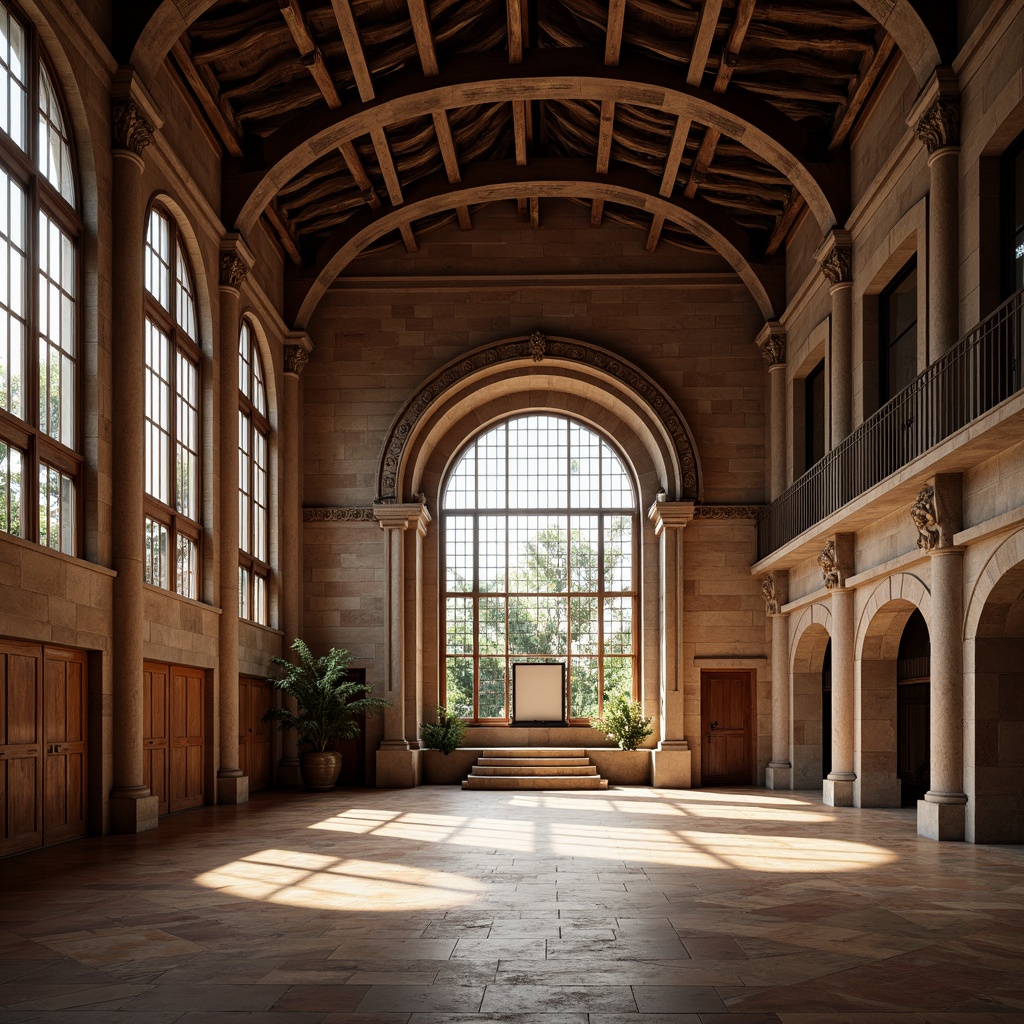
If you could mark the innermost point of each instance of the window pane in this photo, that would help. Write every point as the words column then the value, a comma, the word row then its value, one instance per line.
column 491, row 453
column 585, row 467
column 158, row 417
column 458, row 550
column 492, row 553
column 583, row 683
column 261, row 499
column 54, row 151
column 492, row 687
column 460, row 625
column 538, row 462
column 185, row 312
column 243, row 593
column 586, row 637
column 56, row 333
column 259, row 600
column 618, row 678
column 461, row 489
column 618, row 553
column 245, row 360
column 56, row 510
column 459, row 686
column 156, row 553
column 13, row 294
column 186, row 468
column 492, row 625
column 584, row 550
column 244, row 482
column 618, row 625
column 158, row 259
column 186, row 566
column 538, row 554
column 538, row 625
column 13, row 89
column 11, row 466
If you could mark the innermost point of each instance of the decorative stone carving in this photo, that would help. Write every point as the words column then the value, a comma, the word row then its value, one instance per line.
column 837, row 264
column 538, row 343
column 727, row 511
column 830, row 567
column 926, row 519
column 643, row 387
column 132, row 131
column 940, row 125
column 295, row 359
column 771, row 602
column 337, row 515
column 773, row 348
column 233, row 269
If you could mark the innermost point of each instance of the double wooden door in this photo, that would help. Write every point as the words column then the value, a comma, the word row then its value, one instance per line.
column 43, row 746
column 174, row 741
column 727, row 720
column 255, row 754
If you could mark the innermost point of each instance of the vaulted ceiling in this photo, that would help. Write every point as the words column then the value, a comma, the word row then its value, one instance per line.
column 353, row 126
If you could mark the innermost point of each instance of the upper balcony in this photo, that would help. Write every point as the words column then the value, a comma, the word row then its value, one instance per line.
column 904, row 438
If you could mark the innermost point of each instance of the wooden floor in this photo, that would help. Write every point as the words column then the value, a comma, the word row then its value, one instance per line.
column 627, row 906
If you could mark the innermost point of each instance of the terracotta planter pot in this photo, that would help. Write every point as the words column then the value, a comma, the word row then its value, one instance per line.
column 320, row 771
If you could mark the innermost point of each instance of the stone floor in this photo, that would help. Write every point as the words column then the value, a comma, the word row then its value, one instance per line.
column 629, row 906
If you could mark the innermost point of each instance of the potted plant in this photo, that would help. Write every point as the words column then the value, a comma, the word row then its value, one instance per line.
column 446, row 734
column 624, row 722
column 327, row 706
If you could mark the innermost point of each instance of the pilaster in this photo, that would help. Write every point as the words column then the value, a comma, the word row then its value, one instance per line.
column 835, row 259
column 772, row 344
column 775, row 590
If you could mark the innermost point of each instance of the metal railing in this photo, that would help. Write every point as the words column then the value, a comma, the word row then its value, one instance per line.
column 975, row 375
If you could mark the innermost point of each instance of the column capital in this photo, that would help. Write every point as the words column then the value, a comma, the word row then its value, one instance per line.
column 236, row 260
column 771, row 341
column 835, row 257
column 935, row 116
column 669, row 515
column 135, row 118
column 402, row 515
column 836, row 561
column 775, row 591
column 937, row 512
column 298, row 345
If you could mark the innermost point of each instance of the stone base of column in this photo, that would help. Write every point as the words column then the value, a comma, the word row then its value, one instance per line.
column 873, row 789
column 837, row 792
column 672, row 765
column 288, row 776
column 398, row 768
column 131, row 813
column 232, row 789
column 778, row 775
column 944, row 822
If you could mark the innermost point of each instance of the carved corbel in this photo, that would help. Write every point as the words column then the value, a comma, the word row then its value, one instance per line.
column 828, row 560
column 771, row 602
column 538, row 346
column 132, row 130
column 295, row 359
column 925, row 518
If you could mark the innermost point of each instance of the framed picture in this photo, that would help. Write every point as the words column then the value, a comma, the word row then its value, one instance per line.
column 538, row 693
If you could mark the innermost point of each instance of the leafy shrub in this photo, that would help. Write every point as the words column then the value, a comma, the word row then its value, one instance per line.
column 444, row 735
column 624, row 722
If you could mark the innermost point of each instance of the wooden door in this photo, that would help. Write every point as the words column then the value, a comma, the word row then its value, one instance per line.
column 21, row 761
column 187, row 735
column 156, row 741
column 64, row 734
column 727, row 744
column 255, row 755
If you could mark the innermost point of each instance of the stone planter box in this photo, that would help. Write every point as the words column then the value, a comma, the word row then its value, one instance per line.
column 447, row 769
column 619, row 767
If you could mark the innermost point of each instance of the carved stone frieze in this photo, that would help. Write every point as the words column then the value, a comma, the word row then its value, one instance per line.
column 727, row 511
column 233, row 269
column 538, row 343
column 564, row 349
column 926, row 519
column 132, row 130
column 940, row 125
column 837, row 266
column 771, row 601
column 830, row 571
column 338, row 515
column 295, row 359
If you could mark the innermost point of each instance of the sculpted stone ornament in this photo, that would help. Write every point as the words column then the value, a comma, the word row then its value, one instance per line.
column 131, row 129
column 771, row 601
column 538, row 345
column 295, row 359
column 940, row 125
column 837, row 265
column 727, row 511
column 773, row 348
column 926, row 519
column 233, row 269
column 337, row 515
column 830, row 567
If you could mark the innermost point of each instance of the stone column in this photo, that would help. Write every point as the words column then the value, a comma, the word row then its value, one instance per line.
column 398, row 763
column 836, row 563
column 772, row 343
column 133, row 808
column 296, row 355
column 775, row 589
column 936, row 122
column 672, row 756
column 937, row 513
column 835, row 258
column 235, row 261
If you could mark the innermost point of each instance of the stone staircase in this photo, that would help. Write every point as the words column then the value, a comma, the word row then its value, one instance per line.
column 534, row 768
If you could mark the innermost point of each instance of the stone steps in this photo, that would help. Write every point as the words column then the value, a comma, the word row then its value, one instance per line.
column 534, row 768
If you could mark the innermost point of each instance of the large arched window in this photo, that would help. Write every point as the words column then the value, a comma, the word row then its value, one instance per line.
column 253, row 432
column 39, row 332
column 172, row 412
column 539, row 529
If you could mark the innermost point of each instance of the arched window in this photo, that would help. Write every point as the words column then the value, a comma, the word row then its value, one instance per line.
column 539, row 520
column 172, row 412
column 253, row 432
column 39, row 332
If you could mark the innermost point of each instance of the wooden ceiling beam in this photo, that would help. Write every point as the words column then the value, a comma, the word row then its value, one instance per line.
column 787, row 219
column 657, row 223
column 861, row 87
column 702, row 161
column 354, row 48
column 314, row 62
column 295, row 19
column 424, row 34
column 613, row 32
column 675, row 155
column 519, row 130
column 355, row 167
column 312, row 57
column 705, row 36
column 733, row 44
column 219, row 114
column 514, row 11
column 284, row 232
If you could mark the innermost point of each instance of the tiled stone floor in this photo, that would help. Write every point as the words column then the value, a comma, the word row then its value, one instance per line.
column 630, row 906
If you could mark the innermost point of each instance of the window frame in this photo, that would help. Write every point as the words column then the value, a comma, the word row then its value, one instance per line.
column 814, row 430
column 252, row 566
column 43, row 199
column 178, row 524
column 885, row 342
column 1008, row 217
column 633, row 594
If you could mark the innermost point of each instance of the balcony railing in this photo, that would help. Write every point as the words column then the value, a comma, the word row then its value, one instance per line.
column 980, row 371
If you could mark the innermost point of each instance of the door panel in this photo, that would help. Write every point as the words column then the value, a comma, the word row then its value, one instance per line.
column 64, row 724
column 156, row 734
column 21, row 761
column 727, row 737
column 186, row 766
column 255, row 754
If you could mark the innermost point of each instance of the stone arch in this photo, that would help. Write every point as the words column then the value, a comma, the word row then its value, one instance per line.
column 993, row 703
column 530, row 372
column 877, row 643
column 811, row 634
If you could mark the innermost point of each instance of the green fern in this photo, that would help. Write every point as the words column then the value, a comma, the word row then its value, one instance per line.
column 446, row 735
column 624, row 722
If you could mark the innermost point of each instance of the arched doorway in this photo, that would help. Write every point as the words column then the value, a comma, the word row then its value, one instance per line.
column 913, row 703
column 812, row 709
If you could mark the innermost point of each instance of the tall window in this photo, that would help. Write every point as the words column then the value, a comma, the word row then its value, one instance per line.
column 814, row 415
column 40, row 470
column 539, row 525
column 253, row 431
column 172, row 413
column 897, row 332
column 1013, row 217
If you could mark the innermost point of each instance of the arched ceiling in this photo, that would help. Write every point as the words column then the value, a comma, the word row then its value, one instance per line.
column 355, row 125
